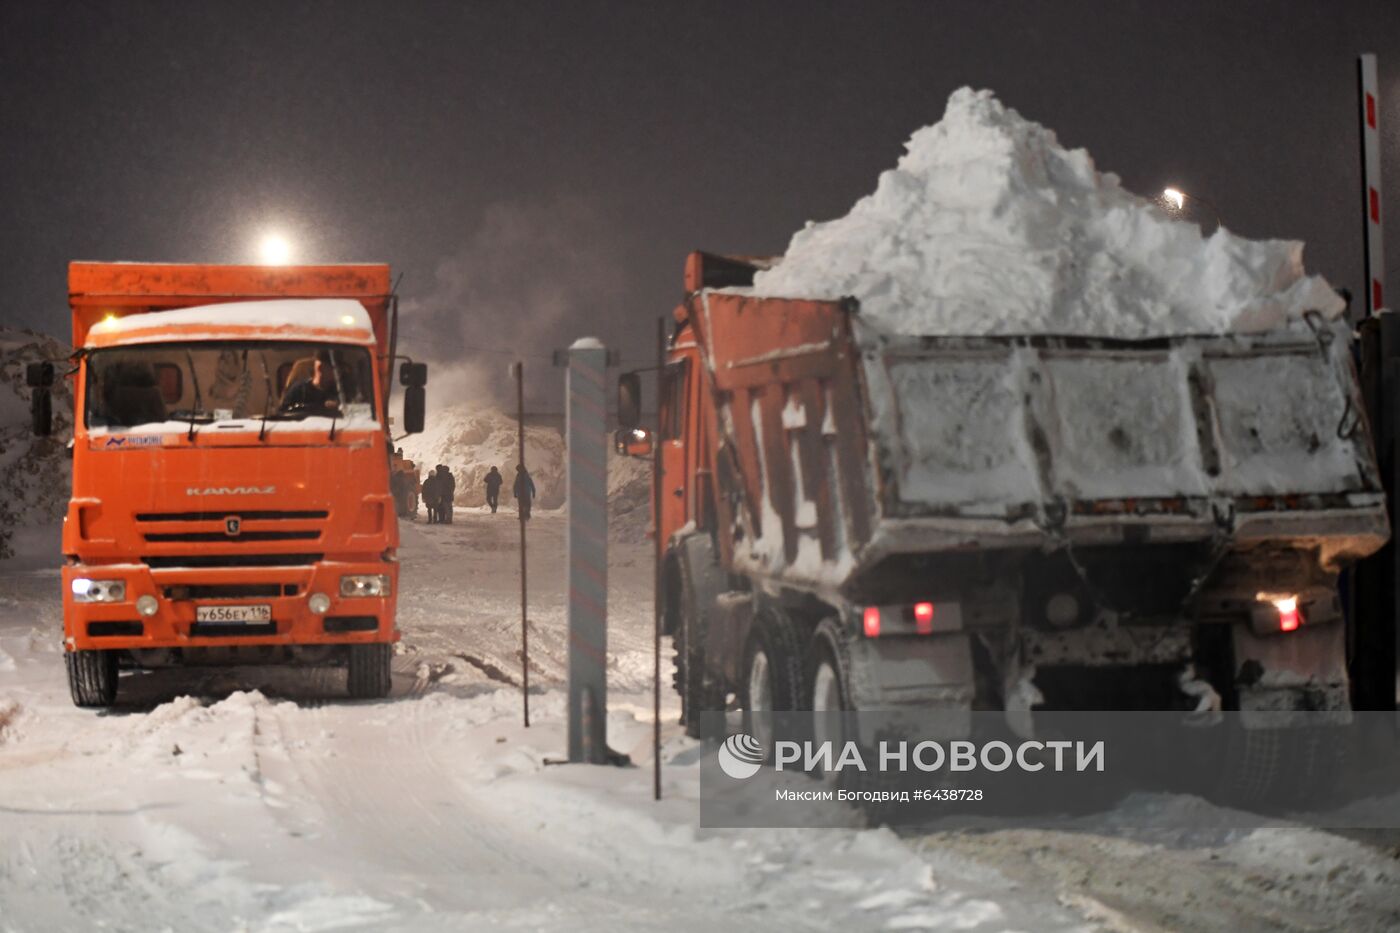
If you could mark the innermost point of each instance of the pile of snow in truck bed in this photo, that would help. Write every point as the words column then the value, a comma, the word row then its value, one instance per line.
column 989, row 226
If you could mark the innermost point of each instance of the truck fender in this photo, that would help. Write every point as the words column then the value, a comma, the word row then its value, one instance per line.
column 694, row 597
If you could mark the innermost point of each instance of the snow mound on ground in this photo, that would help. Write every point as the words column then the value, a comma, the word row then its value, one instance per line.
column 472, row 440
column 34, row 471
column 989, row 226
column 629, row 497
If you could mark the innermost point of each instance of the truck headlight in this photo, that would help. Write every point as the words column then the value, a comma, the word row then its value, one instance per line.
column 98, row 591
column 365, row 584
column 147, row 605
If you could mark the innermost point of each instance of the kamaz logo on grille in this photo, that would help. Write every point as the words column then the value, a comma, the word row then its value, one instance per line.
column 233, row 525
column 231, row 491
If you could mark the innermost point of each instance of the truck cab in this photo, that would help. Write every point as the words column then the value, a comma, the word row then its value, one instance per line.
column 231, row 454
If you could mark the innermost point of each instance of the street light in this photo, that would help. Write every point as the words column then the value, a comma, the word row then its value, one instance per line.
column 275, row 250
column 1174, row 201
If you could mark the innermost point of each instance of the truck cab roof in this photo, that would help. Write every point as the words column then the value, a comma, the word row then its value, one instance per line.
column 332, row 320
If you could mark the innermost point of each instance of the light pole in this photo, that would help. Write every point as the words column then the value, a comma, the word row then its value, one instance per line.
column 1174, row 201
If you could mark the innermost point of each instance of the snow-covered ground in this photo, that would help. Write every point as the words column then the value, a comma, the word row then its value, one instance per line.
column 261, row 800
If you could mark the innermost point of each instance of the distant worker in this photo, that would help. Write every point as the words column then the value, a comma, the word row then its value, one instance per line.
column 494, row 479
column 524, row 491
column 398, row 487
column 447, row 490
column 317, row 394
column 430, row 497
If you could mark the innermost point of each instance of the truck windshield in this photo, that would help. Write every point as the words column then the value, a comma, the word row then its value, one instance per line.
column 222, row 381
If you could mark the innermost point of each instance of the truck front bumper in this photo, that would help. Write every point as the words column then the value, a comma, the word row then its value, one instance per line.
column 179, row 592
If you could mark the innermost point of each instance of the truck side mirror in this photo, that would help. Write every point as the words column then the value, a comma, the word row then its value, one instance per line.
column 413, row 375
column 633, row 443
column 38, row 375
column 629, row 401
column 41, row 412
column 415, row 403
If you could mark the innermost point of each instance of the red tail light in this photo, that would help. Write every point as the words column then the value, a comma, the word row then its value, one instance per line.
column 870, row 620
column 923, row 618
column 1277, row 613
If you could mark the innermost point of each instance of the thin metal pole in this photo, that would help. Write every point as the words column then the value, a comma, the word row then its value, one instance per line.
column 520, row 514
column 1369, row 91
column 656, row 583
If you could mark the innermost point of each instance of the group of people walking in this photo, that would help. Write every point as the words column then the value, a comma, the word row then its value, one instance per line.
column 440, row 487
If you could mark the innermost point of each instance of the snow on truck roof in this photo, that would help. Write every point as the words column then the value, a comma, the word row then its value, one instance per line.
column 988, row 225
column 337, row 320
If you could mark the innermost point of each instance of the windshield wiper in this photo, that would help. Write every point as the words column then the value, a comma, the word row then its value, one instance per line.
column 198, row 397
column 267, row 399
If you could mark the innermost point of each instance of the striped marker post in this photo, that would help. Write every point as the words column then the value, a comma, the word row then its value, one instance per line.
column 587, row 555
column 1371, row 181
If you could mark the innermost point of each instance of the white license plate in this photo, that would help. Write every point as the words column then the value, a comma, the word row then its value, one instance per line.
column 261, row 613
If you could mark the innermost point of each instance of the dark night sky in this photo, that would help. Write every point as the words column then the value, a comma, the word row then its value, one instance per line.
column 540, row 170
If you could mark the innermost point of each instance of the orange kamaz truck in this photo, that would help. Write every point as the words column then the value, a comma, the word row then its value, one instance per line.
column 231, row 450
column 852, row 519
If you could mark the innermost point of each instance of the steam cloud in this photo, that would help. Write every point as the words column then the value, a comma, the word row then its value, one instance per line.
column 529, row 279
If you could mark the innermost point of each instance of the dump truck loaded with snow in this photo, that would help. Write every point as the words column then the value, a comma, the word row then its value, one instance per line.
column 231, row 497
column 1017, row 488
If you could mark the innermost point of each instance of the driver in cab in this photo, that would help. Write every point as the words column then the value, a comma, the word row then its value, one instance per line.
column 316, row 394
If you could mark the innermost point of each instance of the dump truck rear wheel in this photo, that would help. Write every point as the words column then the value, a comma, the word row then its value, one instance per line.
column 92, row 677
column 773, row 676
column 828, row 669
column 369, row 671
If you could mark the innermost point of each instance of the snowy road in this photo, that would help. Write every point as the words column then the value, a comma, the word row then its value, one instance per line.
column 259, row 800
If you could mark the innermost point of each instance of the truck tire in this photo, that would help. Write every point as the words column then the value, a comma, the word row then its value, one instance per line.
column 828, row 678
column 773, row 677
column 92, row 677
column 369, row 671
column 828, row 669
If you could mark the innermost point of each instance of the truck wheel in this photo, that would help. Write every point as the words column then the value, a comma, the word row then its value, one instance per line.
column 828, row 679
column 369, row 671
column 773, row 681
column 828, row 669
column 92, row 677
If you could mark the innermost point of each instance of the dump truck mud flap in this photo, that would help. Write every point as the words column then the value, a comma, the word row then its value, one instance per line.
column 1302, row 670
column 933, row 671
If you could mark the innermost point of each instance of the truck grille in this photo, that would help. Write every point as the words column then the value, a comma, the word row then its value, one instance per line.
column 210, row 536
column 161, row 561
column 230, row 590
column 233, row 527
column 264, row 516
